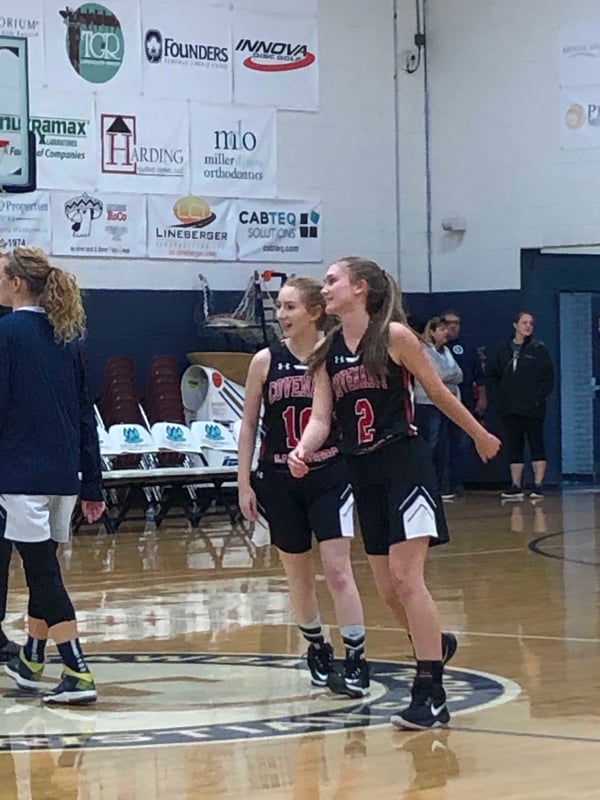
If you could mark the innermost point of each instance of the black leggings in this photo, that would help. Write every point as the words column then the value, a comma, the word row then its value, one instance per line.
column 518, row 428
column 48, row 598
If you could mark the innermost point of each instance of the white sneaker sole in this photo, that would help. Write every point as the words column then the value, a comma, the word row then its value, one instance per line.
column 402, row 725
column 22, row 683
column 83, row 698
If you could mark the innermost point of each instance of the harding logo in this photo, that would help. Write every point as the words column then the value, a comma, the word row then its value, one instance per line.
column 122, row 154
column 165, row 49
column 95, row 42
column 275, row 56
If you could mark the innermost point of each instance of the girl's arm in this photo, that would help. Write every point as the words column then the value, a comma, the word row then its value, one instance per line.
column 405, row 349
column 257, row 375
column 319, row 424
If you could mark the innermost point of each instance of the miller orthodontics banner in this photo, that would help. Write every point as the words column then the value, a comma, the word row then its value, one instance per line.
column 275, row 61
column 234, row 151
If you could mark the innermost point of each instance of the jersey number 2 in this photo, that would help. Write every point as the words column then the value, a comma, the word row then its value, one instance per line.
column 365, row 430
column 292, row 434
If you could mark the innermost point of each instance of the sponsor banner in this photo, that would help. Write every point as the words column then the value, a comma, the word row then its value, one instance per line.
column 275, row 61
column 95, row 224
column 580, row 118
column 25, row 220
column 191, row 227
column 290, row 8
column 144, row 146
column 234, row 151
column 65, row 137
column 579, row 56
column 186, row 51
column 25, row 20
column 93, row 46
column 278, row 230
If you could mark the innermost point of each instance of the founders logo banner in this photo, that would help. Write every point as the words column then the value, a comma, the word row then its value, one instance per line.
column 191, row 227
column 275, row 61
column 144, row 146
column 97, row 224
column 65, row 137
column 186, row 51
column 93, row 45
column 24, row 220
column 234, row 151
column 278, row 230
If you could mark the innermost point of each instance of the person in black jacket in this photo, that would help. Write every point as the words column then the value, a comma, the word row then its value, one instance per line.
column 522, row 376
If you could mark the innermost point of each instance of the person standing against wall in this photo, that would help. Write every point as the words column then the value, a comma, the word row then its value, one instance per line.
column 473, row 369
column 522, row 377
column 48, row 439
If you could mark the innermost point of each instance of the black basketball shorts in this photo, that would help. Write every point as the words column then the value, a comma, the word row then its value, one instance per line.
column 321, row 503
column 396, row 495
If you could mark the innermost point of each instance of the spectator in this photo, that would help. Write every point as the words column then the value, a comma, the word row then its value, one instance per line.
column 470, row 360
column 431, row 421
column 522, row 376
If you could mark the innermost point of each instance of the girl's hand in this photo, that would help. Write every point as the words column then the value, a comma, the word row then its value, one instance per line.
column 487, row 445
column 296, row 462
column 248, row 505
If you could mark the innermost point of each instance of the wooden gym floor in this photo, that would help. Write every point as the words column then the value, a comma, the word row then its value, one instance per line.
column 203, row 693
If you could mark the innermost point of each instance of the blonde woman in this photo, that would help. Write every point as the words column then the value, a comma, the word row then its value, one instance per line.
column 47, row 439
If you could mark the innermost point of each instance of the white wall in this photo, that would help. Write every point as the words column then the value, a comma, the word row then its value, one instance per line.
column 343, row 155
column 495, row 149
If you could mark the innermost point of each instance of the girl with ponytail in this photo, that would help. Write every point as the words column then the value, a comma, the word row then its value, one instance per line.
column 364, row 372
column 49, row 455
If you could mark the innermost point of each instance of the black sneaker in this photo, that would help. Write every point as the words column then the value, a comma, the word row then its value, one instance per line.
column 26, row 674
column 537, row 492
column 449, row 645
column 320, row 660
column 9, row 651
column 427, row 709
column 353, row 681
column 75, row 689
column 514, row 493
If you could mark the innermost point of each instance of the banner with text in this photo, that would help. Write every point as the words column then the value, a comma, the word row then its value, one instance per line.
column 65, row 137
column 278, row 230
column 93, row 46
column 25, row 220
column 144, row 146
column 98, row 224
column 275, row 61
column 580, row 117
column 26, row 20
column 191, row 227
column 234, row 151
column 186, row 51
column 579, row 56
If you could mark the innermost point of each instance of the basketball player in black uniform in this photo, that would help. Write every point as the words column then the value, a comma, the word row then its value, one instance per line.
column 363, row 372
column 321, row 504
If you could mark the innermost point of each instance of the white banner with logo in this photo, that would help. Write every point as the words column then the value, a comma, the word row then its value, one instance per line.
column 580, row 117
column 93, row 47
column 65, row 138
column 144, row 146
column 275, row 61
column 293, row 8
column 95, row 224
column 278, row 230
column 186, row 51
column 234, row 151
column 25, row 220
column 26, row 20
column 191, row 227
column 579, row 56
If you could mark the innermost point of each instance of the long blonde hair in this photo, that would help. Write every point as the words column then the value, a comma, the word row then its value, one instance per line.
column 58, row 292
column 383, row 305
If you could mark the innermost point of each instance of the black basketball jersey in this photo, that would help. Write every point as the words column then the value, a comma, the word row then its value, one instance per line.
column 287, row 400
column 370, row 411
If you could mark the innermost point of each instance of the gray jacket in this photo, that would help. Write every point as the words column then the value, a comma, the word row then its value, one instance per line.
column 448, row 370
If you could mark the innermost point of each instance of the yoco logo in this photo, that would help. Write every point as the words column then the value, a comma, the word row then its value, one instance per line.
column 95, row 42
column 159, row 48
column 123, row 154
column 275, row 56
column 81, row 211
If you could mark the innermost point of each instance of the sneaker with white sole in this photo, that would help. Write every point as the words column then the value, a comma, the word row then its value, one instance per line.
column 26, row 674
column 514, row 493
column 75, row 689
column 320, row 661
column 354, row 681
column 427, row 709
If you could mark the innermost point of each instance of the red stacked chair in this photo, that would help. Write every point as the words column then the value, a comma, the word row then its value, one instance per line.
column 118, row 402
column 162, row 399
